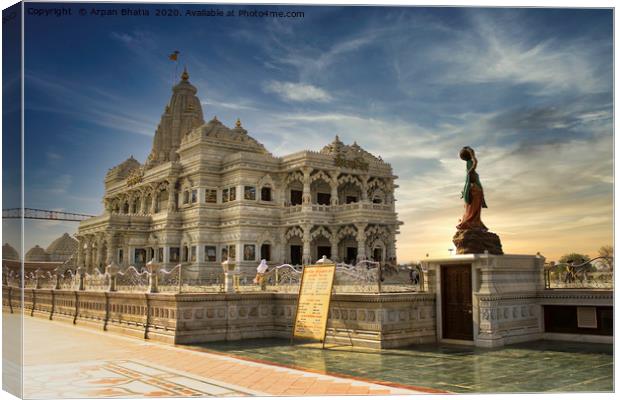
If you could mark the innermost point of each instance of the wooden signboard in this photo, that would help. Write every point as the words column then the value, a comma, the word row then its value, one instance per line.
column 313, row 302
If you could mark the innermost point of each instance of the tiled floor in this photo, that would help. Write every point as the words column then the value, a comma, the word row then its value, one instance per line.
column 533, row 367
column 66, row 361
column 118, row 379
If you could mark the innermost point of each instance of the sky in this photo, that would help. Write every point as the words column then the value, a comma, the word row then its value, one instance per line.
column 529, row 89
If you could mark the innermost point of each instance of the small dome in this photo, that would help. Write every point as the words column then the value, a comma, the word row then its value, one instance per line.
column 37, row 254
column 9, row 253
column 62, row 248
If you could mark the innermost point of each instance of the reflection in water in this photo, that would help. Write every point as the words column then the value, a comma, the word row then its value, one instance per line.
column 532, row 367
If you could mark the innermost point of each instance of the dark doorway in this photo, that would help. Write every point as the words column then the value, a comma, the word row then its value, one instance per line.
column 456, row 306
column 377, row 254
column 351, row 255
column 265, row 252
column 296, row 255
column 324, row 251
column 296, row 197
column 351, row 199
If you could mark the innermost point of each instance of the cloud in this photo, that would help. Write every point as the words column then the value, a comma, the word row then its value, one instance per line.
column 232, row 106
column 496, row 50
column 85, row 102
column 299, row 92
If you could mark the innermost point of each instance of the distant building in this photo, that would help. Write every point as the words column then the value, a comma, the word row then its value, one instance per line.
column 208, row 192
column 58, row 253
column 9, row 253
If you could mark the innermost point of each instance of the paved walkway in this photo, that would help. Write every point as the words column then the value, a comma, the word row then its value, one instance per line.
column 66, row 361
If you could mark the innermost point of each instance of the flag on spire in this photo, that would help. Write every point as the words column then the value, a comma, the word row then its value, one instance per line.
column 174, row 56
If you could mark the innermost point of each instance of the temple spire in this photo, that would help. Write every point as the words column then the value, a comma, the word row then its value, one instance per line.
column 182, row 114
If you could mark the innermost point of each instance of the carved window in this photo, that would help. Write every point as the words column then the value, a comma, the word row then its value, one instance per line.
column 140, row 256
column 160, row 254
column 249, row 193
column 224, row 253
column 174, row 254
column 377, row 200
column 120, row 256
column 296, row 197
column 224, row 195
column 186, row 197
column 211, row 196
column 265, row 252
column 265, row 193
column 192, row 257
column 194, row 195
column 210, row 253
column 232, row 194
column 249, row 252
column 323, row 198
column 185, row 253
column 232, row 252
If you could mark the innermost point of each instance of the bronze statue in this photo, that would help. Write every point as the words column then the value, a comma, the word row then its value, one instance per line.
column 472, row 193
column 472, row 236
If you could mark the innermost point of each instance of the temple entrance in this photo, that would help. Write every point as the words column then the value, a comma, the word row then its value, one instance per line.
column 456, row 303
column 296, row 252
column 351, row 255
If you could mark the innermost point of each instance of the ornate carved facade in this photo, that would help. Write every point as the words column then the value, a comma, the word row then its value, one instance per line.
column 208, row 192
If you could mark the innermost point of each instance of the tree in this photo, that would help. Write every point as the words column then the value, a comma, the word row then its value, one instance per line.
column 576, row 259
column 608, row 253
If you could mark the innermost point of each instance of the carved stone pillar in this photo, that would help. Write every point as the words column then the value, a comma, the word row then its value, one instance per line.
column 364, row 179
column 90, row 250
column 389, row 195
column 110, row 250
column 334, row 186
column 392, row 245
column 334, row 243
column 144, row 208
column 306, row 255
column 361, row 241
column 306, row 197
column 172, row 196
column 154, row 199
column 100, row 253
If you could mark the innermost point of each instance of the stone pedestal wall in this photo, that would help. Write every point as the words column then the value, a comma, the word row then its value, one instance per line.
column 505, row 290
column 367, row 320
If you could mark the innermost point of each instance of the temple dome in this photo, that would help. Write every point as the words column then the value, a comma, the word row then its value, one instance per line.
column 37, row 254
column 9, row 253
column 122, row 170
column 62, row 248
column 219, row 135
column 353, row 152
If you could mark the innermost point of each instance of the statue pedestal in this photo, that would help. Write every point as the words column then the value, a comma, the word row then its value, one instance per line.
column 471, row 241
column 487, row 300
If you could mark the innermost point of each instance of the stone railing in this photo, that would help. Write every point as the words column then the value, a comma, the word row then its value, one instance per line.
column 365, row 277
column 340, row 208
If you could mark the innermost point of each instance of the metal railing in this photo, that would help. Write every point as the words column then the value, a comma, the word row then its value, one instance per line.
column 579, row 276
